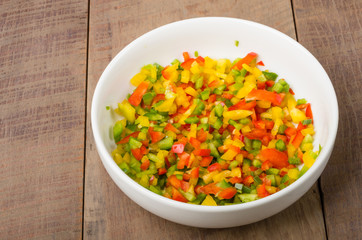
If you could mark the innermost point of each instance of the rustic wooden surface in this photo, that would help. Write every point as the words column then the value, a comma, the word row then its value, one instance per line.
column 332, row 31
column 52, row 182
column 42, row 95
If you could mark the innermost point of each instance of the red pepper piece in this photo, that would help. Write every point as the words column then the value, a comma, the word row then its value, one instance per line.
column 155, row 136
column 205, row 162
column 214, row 167
column 248, row 180
column 243, row 105
column 178, row 147
column 298, row 139
column 262, row 191
column 201, row 135
column 277, row 158
column 210, row 189
column 227, row 193
column 234, row 180
column 176, row 195
column 202, row 152
column 308, row 112
column 170, row 127
column 174, row 181
column 187, row 64
column 247, row 60
column 183, row 161
column 126, row 139
column 162, row 171
column 145, row 164
column 195, row 143
column 259, row 94
column 136, row 97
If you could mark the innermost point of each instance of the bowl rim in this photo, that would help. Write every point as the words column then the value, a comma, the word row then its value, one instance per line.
column 107, row 159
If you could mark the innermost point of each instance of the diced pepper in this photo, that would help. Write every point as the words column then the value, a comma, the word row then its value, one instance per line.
column 136, row 97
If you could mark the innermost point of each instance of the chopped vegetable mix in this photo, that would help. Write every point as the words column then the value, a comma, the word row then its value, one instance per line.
column 213, row 132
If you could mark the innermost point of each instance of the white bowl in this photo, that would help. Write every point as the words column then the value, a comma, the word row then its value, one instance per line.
column 215, row 37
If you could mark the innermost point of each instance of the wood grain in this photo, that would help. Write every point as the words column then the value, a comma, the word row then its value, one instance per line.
column 42, row 97
column 108, row 213
column 332, row 31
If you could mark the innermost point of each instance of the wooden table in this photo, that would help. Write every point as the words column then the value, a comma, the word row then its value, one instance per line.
column 52, row 53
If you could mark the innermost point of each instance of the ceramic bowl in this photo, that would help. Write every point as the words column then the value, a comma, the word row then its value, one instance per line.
column 215, row 37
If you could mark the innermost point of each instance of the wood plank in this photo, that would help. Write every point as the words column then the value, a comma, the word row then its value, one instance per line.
column 42, row 97
column 332, row 31
column 108, row 213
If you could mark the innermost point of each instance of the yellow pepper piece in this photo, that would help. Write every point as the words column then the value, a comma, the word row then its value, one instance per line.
column 308, row 159
column 290, row 101
column 271, row 189
column 195, row 68
column 266, row 115
column 181, row 98
column 185, row 76
column 143, row 121
column 277, row 113
column 117, row 158
column 247, row 68
column 239, row 158
column 256, row 72
column 297, row 115
column 187, row 114
column 127, row 157
column 220, row 176
column 208, row 177
column 237, row 114
column 142, row 136
column 245, row 90
column 291, row 150
column 158, row 87
column 309, row 130
column 165, row 106
column 191, row 91
column 220, row 75
column 272, row 143
column 229, row 79
column 236, row 172
column 137, row 79
column 293, row 173
column 126, row 109
column 245, row 129
column 209, row 201
column 209, row 63
column 229, row 155
column 307, row 146
column 276, row 126
column 263, row 104
column 193, row 130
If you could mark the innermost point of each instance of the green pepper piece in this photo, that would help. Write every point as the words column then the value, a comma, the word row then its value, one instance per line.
column 270, row 75
column 156, row 189
column 302, row 171
column 219, row 90
column 148, row 97
column 257, row 180
column 278, row 87
column 272, row 180
column 199, row 82
column 155, row 116
column 134, row 144
column 235, row 124
column 191, row 120
column 244, row 121
column 256, row 144
column 243, row 72
column 205, row 94
column 199, row 199
column 217, row 125
column 204, row 126
column 256, row 163
column 294, row 160
column 307, row 121
column 247, row 197
column 223, row 184
column 301, row 101
column 272, row 171
column 166, row 143
column 280, row 145
column 246, row 189
column 219, row 109
column 282, row 129
column 213, row 150
column 117, row 131
column 199, row 108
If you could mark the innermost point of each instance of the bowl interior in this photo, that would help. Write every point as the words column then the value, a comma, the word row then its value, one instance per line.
column 215, row 37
